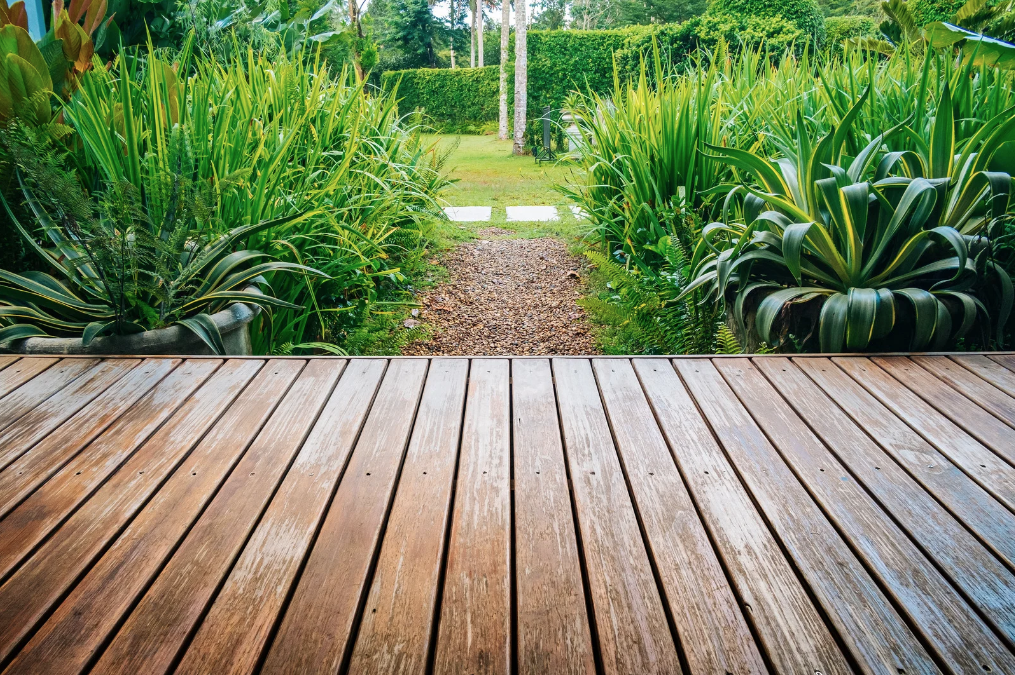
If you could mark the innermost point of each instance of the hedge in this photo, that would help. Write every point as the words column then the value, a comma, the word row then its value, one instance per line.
column 842, row 28
column 456, row 100
column 805, row 14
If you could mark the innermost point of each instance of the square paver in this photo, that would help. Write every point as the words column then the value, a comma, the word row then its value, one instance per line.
column 468, row 214
column 531, row 214
column 578, row 212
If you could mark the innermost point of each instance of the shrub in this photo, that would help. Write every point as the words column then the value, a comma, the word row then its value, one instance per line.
column 805, row 14
column 451, row 100
column 927, row 11
column 842, row 28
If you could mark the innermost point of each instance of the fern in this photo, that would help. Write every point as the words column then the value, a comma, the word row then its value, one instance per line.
column 726, row 341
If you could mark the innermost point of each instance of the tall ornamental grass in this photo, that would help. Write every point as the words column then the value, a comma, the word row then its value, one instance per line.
column 274, row 138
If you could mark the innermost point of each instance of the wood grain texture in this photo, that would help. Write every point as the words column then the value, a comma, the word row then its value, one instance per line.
column 474, row 632
column 987, row 396
column 553, row 626
column 850, row 597
column 315, row 632
column 963, row 641
column 261, row 578
column 30, row 521
column 712, row 630
column 952, row 404
column 73, row 635
column 394, row 635
column 41, row 387
column 634, row 636
column 789, row 627
column 124, row 482
column 992, row 472
column 988, row 370
column 30, row 465
column 466, row 516
column 964, row 498
column 50, row 414
column 6, row 361
column 161, row 623
column 21, row 371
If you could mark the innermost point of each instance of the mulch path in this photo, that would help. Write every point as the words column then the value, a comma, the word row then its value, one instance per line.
column 506, row 296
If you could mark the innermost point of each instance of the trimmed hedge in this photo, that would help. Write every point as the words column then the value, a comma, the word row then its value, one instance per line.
column 842, row 28
column 459, row 100
column 805, row 14
column 927, row 11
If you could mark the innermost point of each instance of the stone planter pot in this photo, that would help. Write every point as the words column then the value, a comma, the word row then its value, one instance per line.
column 233, row 323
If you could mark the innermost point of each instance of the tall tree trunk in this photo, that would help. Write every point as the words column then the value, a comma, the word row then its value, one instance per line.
column 480, row 28
column 472, row 33
column 354, row 20
column 521, row 76
column 505, row 31
column 452, row 41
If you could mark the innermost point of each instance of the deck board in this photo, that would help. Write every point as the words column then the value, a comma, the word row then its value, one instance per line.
column 494, row 516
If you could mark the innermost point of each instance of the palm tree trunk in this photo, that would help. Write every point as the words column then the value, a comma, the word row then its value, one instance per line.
column 472, row 33
column 505, row 31
column 521, row 77
column 480, row 27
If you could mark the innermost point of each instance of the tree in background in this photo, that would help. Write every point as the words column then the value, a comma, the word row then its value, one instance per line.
column 552, row 15
column 521, row 77
column 505, row 30
column 641, row 12
column 415, row 32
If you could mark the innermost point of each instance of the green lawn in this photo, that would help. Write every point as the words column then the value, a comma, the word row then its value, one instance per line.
column 489, row 175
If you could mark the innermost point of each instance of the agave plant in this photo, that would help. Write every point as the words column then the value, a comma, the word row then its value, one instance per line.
column 870, row 237
column 142, row 262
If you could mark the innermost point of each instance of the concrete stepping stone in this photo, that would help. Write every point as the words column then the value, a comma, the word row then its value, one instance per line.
column 578, row 212
column 468, row 214
column 531, row 214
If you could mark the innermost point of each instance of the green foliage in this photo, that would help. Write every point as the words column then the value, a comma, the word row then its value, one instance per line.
column 805, row 14
column 645, row 312
column 842, row 28
column 132, row 260
column 879, row 240
column 451, row 100
column 926, row 11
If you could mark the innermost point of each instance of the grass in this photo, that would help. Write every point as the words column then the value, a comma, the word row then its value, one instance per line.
column 487, row 174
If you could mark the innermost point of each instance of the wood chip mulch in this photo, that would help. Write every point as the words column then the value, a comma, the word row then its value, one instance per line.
column 506, row 297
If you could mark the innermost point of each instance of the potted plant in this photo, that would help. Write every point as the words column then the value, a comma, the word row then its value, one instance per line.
column 125, row 281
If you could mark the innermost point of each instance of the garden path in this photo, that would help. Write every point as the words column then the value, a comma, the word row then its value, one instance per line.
column 512, row 286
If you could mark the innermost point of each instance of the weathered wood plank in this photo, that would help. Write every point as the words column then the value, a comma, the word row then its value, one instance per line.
column 315, row 631
column 979, row 423
column 991, row 371
column 70, row 638
column 109, row 485
column 31, row 465
column 1005, row 360
column 474, row 632
column 712, row 630
column 871, row 629
column 233, row 635
column 790, row 629
column 634, row 635
column 986, row 395
column 37, row 424
column 6, row 361
column 395, row 631
column 24, row 526
column 21, row 371
column 987, row 518
column 950, row 625
column 171, row 609
column 553, row 626
column 41, row 387
column 980, row 463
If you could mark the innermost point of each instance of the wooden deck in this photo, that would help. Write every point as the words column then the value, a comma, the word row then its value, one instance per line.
column 807, row 516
